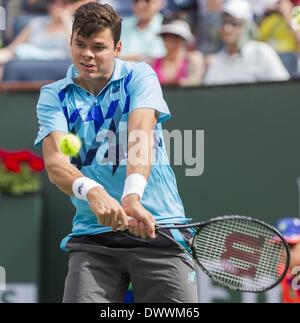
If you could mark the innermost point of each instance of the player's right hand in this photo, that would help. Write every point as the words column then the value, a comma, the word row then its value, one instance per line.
column 141, row 222
column 107, row 210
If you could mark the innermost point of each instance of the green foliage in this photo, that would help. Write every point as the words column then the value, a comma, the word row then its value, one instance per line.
column 24, row 182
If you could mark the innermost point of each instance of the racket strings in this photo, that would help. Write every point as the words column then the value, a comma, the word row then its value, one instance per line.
column 217, row 234
column 241, row 254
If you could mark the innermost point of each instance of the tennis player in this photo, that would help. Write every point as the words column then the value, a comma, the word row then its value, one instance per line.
column 113, row 106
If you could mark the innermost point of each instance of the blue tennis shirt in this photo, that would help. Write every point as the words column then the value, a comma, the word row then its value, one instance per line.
column 101, row 123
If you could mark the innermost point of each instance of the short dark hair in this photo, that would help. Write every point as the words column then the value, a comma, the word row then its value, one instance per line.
column 93, row 17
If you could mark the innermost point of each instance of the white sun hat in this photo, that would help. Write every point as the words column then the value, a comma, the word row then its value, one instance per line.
column 179, row 28
column 239, row 9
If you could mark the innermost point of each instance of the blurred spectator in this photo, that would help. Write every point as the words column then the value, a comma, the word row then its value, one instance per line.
column 40, row 6
column 242, row 61
column 45, row 38
column 73, row 5
column 34, row 6
column 276, row 30
column 140, row 33
column 210, row 18
column 122, row 7
column 180, row 66
column 290, row 228
column 182, row 9
column 19, row 14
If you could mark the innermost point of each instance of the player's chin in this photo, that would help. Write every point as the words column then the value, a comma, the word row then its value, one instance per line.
column 90, row 75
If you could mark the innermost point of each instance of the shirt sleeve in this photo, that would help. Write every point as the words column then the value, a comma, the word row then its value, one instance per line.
column 145, row 91
column 50, row 114
column 274, row 69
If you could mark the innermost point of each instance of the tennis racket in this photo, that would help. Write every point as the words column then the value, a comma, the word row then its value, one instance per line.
column 239, row 252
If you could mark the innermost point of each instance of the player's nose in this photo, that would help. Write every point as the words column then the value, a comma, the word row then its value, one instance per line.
column 87, row 54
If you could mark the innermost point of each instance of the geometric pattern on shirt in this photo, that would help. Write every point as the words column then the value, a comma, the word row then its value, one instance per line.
column 97, row 120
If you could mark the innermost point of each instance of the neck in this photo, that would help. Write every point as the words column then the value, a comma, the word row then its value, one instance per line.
column 142, row 24
column 94, row 86
column 56, row 20
column 175, row 55
column 232, row 49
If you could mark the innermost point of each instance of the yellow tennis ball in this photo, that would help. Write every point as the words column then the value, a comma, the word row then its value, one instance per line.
column 69, row 145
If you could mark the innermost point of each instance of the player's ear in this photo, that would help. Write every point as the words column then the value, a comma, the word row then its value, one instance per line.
column 118, row 48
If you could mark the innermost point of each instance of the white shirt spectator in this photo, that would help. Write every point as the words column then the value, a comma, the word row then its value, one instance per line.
column 256, row 62
column 145, row 41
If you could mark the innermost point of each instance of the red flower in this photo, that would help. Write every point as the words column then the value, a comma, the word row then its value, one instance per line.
column 36, row 164
column 13, row 160
column 12, row 165
column 3, row 154
column 23, row 155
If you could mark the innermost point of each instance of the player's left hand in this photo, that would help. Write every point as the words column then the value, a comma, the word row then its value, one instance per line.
column 141, row 223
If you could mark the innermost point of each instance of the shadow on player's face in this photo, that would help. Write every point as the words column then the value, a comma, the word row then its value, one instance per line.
column 94, row 56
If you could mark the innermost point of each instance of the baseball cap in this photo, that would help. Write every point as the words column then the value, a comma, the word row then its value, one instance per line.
column 179, row 28
column 239, row 9
column 290, row 229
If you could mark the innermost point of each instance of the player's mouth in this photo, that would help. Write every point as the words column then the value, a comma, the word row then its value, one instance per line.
column 88, row 67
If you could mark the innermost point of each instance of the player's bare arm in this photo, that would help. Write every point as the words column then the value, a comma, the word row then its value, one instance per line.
column 63, row 174
column 141, row 121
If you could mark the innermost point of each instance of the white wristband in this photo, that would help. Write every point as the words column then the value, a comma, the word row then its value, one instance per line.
column 134, row 184
column 82, row 185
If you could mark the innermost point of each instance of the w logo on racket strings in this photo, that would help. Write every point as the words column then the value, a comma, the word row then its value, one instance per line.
column 245, row 248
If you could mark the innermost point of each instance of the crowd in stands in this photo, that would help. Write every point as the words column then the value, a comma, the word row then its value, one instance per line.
column 187, row 42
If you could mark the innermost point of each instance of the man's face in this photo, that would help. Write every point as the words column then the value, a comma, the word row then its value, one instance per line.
column 145, row 10
column 94, row 56
column 54, row 8
column 172, row 42
column 231, row 29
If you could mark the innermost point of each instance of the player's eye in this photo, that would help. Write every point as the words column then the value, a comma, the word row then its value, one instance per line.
column 80, row 45
column 99, row 48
